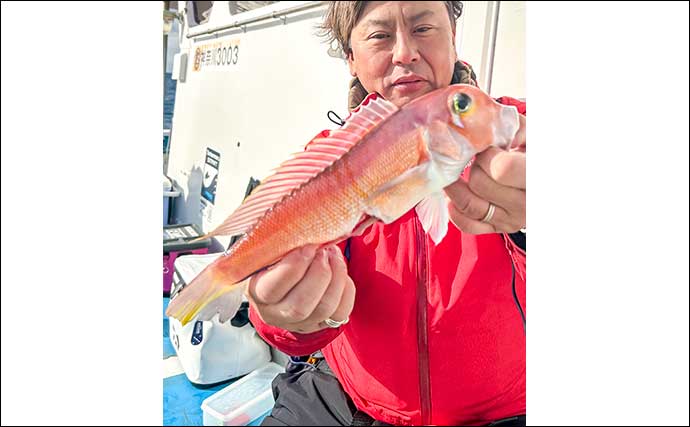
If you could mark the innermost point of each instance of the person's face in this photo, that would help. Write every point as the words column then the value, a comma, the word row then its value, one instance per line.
column 403, row 50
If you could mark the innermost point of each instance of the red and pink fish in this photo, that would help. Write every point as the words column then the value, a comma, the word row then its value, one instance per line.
column 381, row 163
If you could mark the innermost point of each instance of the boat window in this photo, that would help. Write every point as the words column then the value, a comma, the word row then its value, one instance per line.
column 244, row 6
column 198, row 12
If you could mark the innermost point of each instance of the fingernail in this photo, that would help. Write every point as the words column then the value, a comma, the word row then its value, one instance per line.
column 337, row 255
column 323, row 255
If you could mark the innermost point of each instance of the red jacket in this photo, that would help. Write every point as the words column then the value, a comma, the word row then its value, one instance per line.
column 436, row 335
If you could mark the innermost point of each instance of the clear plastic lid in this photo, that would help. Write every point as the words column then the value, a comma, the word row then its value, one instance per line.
column 245, row 394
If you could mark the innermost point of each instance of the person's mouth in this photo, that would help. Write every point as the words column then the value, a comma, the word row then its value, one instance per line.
column 409, row 83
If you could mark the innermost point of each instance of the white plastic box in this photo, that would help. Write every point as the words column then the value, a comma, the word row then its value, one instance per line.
column 243, row 401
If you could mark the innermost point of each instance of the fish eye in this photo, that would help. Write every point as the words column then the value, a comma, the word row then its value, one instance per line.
column 461, row 102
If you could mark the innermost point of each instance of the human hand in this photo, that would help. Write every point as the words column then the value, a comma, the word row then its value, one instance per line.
column 497, row 177
column 303, row 289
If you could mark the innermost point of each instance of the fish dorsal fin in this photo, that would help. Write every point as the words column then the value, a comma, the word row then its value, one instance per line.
column 372, row 111
column 320, row 153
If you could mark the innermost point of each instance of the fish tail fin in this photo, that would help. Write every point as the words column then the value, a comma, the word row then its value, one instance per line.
column 205, row 296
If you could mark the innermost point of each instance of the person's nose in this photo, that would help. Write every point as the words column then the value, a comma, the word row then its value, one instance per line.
column 405, row 50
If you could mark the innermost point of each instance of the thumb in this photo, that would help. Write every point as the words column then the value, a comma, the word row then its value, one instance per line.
column 519, row 142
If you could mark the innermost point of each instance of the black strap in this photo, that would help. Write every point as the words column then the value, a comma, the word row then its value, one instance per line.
column 338, row 121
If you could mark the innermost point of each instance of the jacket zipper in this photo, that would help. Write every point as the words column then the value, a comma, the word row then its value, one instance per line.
column 422, row 335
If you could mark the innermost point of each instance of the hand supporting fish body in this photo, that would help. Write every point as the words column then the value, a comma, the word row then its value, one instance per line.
column 381, row 163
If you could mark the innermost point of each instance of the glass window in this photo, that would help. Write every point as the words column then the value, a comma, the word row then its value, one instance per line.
column 243, row 6
column 198, row 12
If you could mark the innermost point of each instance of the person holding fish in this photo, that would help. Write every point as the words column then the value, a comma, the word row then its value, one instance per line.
column 392, row 246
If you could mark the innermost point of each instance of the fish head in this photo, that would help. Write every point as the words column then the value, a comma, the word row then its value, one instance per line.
column 474, row 117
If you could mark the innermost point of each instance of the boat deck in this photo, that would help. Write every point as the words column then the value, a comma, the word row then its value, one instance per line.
column 181, row 399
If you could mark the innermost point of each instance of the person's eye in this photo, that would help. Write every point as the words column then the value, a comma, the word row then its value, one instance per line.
column 423, row 29
column 378, row 36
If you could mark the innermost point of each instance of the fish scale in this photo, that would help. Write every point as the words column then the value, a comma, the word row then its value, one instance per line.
column 285, row 227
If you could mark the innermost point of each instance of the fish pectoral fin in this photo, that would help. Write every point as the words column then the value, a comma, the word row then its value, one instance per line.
column 401, row 194
column 433, row 214
column 365, row 223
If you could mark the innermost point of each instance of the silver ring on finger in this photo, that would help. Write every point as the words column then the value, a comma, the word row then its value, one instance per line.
column 336, row 324
column 489, row 213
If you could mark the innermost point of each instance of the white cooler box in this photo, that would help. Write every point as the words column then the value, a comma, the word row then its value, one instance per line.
column 211, row 352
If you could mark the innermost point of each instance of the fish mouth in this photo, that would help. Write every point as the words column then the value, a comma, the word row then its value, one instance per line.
column 507, row 127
